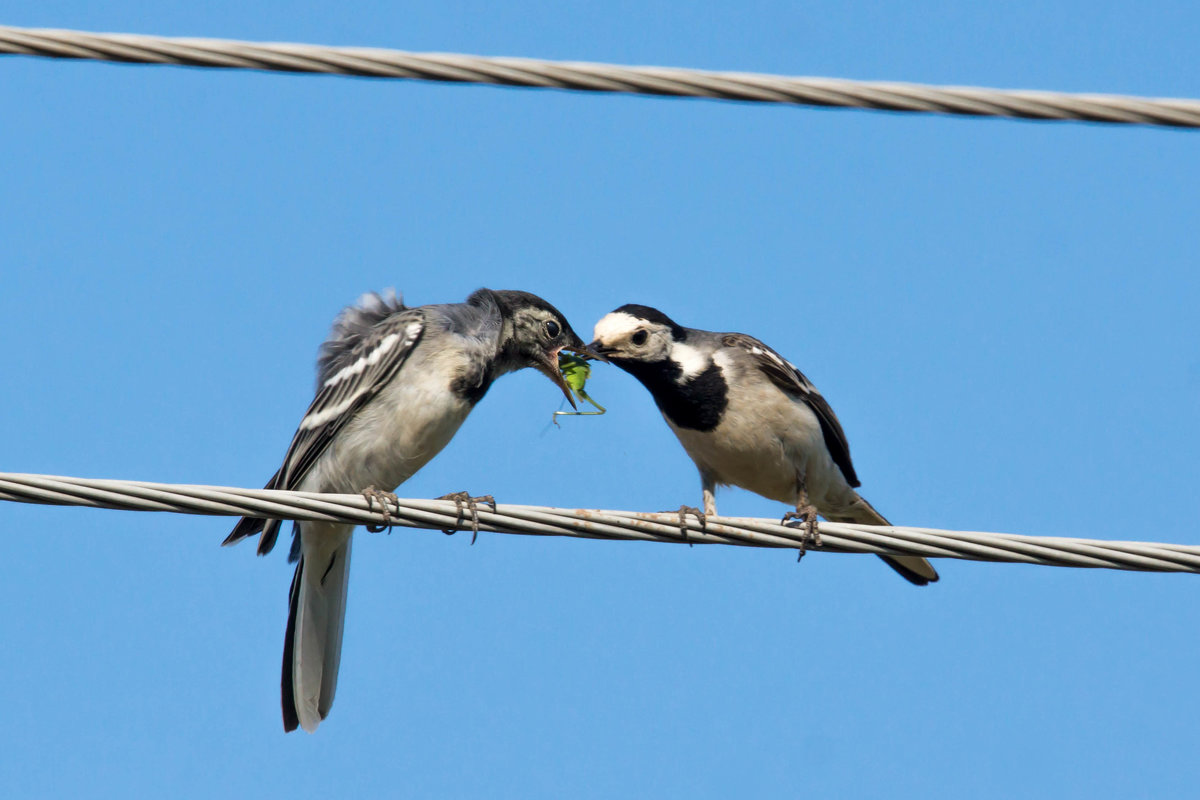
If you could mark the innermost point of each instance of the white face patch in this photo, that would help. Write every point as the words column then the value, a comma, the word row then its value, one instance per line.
column 691, row 361
column 615, row 326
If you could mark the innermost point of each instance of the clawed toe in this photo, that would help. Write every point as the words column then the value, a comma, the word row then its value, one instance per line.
column 373, row 496
column 465, row 500
column 812, row 535
column 683, row 515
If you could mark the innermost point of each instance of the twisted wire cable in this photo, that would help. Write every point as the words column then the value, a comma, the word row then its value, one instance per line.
column 583, row 76
column 592, row 524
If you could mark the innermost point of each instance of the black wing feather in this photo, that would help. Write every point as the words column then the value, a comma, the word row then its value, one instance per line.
column 787, row 377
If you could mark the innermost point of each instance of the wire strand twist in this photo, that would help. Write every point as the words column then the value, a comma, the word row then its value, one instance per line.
column 594, row 524
column 583, row 76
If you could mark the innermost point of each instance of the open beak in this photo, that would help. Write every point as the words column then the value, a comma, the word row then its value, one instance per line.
column 549, row 368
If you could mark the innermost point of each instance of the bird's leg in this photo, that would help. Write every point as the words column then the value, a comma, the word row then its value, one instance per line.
column 373, row 496
column 710, row 496
column 462, row 499
column 806, row 511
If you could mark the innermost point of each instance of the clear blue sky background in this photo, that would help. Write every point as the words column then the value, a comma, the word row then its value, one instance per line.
column 1004, row 315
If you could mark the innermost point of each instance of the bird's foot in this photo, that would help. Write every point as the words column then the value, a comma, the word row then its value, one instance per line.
column 374, row 496
column 465, row 500
column 683, row 515
column 812, row 536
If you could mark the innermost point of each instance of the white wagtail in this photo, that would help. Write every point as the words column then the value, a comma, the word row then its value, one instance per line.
column 393, row 386
column 747, row 417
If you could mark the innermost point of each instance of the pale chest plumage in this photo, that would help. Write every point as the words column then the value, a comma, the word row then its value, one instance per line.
column 399, row 431
column 764, row 442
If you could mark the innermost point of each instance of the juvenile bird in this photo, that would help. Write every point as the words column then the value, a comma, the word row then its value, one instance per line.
column 747, row 417
column 393, row 386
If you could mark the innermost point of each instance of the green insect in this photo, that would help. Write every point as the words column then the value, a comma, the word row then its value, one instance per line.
column 575, row 372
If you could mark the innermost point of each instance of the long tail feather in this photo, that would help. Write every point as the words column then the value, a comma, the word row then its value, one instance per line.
column 312, row 650
column 914, row 569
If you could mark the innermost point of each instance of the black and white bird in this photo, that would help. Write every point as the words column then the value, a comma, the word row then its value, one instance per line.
column 747, row 417
column 393, row 386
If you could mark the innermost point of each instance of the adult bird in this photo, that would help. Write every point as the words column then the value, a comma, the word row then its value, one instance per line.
column 747, row 417
column 393, row 386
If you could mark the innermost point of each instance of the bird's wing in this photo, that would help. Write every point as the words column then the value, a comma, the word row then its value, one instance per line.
column 370, row 365
column 366, row 368
column 791, row 380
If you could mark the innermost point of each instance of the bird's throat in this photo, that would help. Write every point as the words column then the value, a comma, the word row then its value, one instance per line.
column 697, row 403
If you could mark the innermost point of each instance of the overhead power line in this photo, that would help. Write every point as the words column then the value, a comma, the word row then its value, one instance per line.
column 620, row 525
column 583, row 76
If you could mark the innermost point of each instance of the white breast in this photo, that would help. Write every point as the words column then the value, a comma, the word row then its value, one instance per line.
column 765, row 446
column 397, row 433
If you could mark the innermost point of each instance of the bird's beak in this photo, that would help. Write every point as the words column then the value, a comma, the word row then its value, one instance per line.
column 549, row 367
column 586, row 351
column 599, row 350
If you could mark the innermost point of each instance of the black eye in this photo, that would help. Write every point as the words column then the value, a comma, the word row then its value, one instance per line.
column 639, row 337
column 552, row 328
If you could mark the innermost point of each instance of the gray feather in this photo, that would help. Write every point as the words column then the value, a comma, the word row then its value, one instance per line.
column 352, row 325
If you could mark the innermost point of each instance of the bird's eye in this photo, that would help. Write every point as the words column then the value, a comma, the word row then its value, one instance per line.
column 639, row 337
column 552, row 328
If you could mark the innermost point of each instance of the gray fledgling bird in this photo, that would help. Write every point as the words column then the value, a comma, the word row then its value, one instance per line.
column 393, row 386
column 747, row 417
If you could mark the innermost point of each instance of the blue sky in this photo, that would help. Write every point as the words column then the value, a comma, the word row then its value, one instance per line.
column 1002, row 313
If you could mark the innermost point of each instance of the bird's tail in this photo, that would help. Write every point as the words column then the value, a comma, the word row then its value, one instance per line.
column 312, row 647
column 914, row 568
